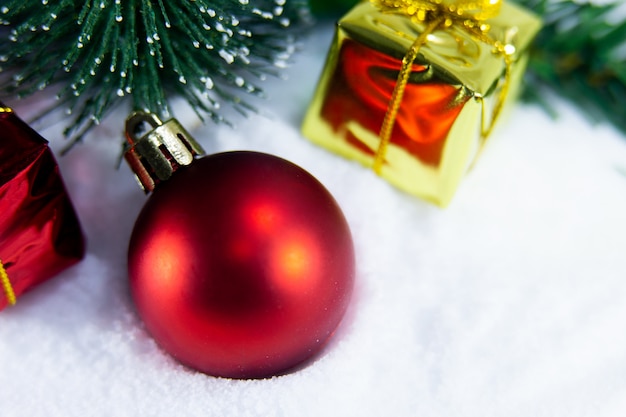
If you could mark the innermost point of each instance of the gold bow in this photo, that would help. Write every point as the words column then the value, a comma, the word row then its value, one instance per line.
column 438, row 14
column 423, row 10
column 6, row 285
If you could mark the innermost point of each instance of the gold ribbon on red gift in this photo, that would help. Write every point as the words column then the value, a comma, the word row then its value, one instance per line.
column 5, row 282
column 471, row 15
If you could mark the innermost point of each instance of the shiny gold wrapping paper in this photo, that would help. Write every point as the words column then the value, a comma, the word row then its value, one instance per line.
column 448, row 101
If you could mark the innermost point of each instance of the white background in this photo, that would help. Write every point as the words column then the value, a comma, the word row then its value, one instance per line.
column 511, row 302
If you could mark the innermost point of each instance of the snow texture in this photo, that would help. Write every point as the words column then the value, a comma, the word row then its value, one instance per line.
column 511, row 302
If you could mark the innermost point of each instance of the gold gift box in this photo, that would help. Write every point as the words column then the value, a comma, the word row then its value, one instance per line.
column 448, row 102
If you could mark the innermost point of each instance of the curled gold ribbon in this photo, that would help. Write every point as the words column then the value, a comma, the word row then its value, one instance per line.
column 438, row 14
column 6, row 285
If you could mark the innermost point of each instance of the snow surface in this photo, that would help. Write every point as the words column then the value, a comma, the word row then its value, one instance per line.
column 511, row 302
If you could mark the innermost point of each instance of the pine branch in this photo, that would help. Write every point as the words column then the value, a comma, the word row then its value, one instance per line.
column 581, row 55
column 102, row 51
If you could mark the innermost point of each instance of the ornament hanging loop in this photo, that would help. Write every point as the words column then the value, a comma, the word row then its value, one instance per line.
column 136, row 121
column 154, row 156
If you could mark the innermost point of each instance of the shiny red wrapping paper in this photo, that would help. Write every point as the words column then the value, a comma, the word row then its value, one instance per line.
column 39, row 232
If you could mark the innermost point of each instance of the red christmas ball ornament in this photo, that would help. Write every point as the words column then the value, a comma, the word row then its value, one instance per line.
column 241, row 264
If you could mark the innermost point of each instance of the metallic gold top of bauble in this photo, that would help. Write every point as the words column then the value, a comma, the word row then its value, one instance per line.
column 154, row 156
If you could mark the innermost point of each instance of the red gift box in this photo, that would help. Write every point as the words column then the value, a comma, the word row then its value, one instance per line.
column 39, row 232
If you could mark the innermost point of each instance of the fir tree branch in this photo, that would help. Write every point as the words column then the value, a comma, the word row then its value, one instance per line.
column 581, row 55
column 101, row 51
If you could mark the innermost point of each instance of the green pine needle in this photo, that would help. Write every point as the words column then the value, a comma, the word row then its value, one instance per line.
column 103, row 51
column 581, row 55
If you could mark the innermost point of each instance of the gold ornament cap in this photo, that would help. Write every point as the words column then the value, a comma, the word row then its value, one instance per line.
column 155, row 156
